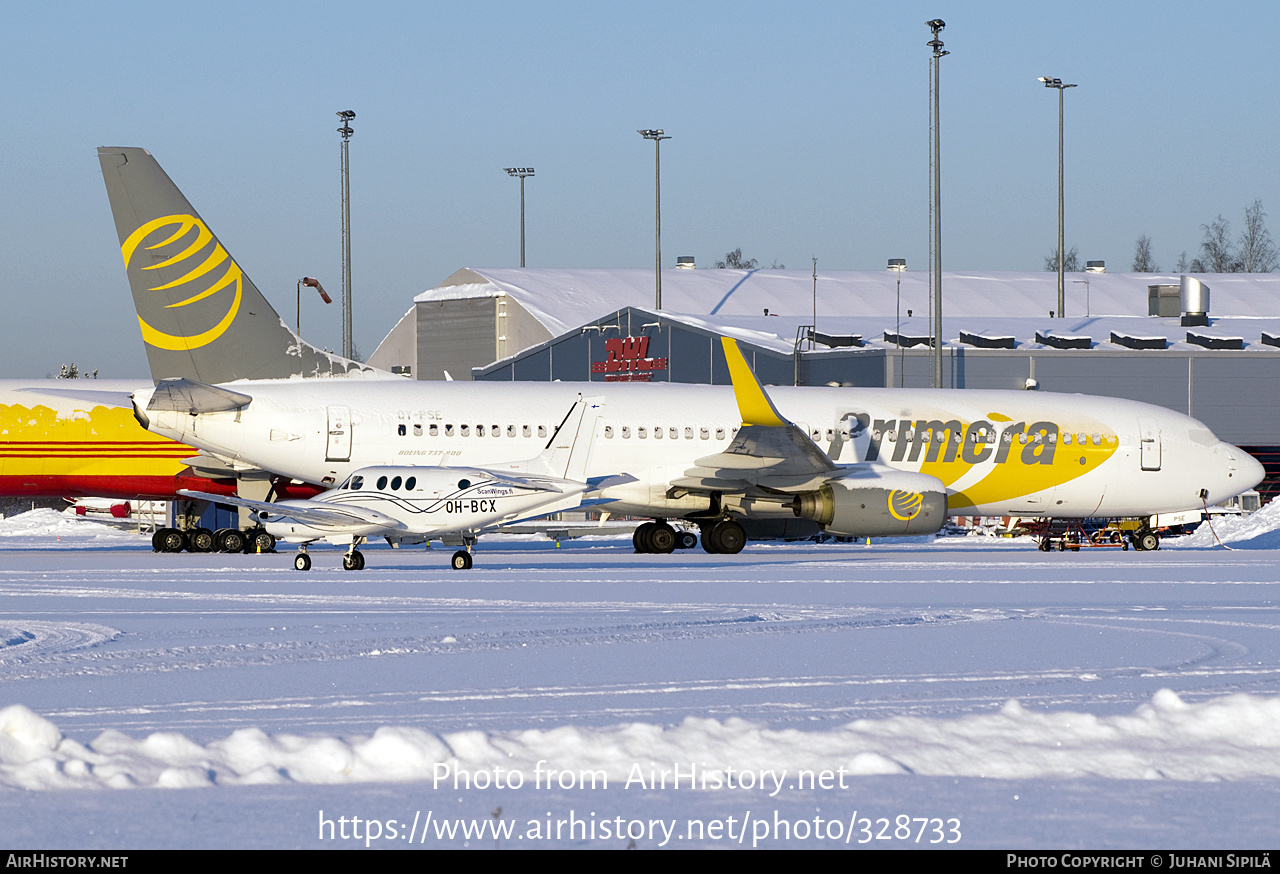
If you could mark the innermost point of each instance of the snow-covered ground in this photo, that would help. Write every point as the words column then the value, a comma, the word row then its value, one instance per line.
column 963, row 692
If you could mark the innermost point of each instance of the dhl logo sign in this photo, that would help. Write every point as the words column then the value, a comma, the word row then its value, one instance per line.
column 628, row 360
column 190, row 238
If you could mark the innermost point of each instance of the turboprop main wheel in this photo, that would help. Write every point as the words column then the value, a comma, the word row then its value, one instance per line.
column 461, row 560
column 726, row 538
column 353, row 561
column 302, row 562
column 1148, row 540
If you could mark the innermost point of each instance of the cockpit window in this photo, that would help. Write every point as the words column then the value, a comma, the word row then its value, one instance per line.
column 357, row 482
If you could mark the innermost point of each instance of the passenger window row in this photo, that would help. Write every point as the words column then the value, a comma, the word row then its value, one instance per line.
column 640, row 432
column 435, row 430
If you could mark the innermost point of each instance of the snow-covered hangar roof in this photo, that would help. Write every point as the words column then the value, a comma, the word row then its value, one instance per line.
column 563, row 298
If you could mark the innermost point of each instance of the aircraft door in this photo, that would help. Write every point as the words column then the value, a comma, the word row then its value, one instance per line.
column 338, row 446
column 1149, row 429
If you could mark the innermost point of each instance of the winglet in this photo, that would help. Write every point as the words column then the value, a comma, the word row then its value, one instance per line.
column 753, row 404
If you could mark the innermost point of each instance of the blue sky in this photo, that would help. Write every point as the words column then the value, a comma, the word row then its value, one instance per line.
column 798, row 130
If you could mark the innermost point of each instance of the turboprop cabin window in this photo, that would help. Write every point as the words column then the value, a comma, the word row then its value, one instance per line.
column 382, row 483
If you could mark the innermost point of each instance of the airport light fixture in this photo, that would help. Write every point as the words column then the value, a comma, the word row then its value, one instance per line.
column 1050, row 82
column 523, row 173
column 345, row 116
column 657, row 136
column 897, row 265
column 936, row 25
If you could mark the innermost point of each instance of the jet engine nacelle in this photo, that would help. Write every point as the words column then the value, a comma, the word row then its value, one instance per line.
column 876, row 503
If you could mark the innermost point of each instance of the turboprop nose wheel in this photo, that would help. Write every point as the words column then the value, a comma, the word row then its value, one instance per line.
column 302, row 562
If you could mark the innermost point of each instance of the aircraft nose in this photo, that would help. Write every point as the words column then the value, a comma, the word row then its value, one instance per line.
column 1251, row 470
column 1245, row 470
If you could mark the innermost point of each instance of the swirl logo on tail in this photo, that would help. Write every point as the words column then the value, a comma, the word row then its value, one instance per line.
column 230, row 276
column 905, row 506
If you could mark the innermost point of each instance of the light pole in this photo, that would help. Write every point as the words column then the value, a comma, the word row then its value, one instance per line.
column 936, row 44
column 346, row 116
column 1061, row 86
column 523, row 173
column 657, row 136
column 897, row 265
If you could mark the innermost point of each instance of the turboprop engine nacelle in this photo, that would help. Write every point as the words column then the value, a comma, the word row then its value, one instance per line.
column 876, row 503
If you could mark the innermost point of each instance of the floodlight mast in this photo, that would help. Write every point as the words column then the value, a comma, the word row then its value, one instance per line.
column 346, row 116
column 657, row 136
column 523, row 173
column 1051, row 82
column 936, row 25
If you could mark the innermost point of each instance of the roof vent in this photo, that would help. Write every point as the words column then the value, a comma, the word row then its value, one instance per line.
column 1194, row 296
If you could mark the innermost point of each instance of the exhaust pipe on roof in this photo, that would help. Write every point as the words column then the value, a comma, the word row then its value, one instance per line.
column 1194, row 298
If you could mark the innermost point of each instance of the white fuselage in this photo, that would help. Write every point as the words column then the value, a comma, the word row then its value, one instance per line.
column 997, row 452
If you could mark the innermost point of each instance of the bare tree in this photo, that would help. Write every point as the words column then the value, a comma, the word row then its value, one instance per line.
column 734, row 261
column 1070, row 264
column 1142, row 260
column 1217, row 255
column 1257, row 251
column 1182, row 266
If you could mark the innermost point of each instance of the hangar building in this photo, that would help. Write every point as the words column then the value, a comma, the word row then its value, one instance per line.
column 1153, row 337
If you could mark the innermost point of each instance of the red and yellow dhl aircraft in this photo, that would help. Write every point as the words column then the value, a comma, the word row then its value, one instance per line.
column 59, row 442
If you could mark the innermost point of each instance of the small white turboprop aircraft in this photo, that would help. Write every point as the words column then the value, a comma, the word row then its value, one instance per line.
column 411, row 504
column 856, row 461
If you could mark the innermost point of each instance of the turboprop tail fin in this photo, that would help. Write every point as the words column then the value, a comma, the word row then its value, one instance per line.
column 202, row 318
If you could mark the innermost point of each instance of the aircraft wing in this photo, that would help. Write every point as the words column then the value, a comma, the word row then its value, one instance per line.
column 768, row 452
column 89, row 396
column 307, row 512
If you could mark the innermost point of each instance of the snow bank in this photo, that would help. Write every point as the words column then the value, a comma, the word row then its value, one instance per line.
column 1260, row 530
column 1230, row 738
column 46, row 523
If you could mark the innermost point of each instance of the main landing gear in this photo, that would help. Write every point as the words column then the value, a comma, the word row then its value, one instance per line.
column 352, row 561
column 461, row 560
column 726, row 537
column 661, row 539
column 228, row 540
